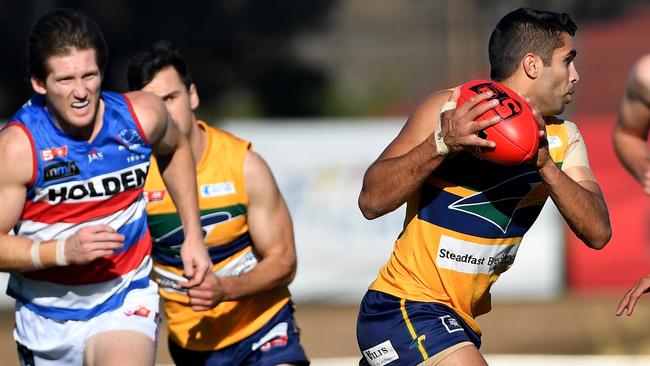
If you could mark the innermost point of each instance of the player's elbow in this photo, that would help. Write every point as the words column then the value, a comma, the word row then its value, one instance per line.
column 289, row 267
column 600, row 239
column 369, row 209
column 291, row 274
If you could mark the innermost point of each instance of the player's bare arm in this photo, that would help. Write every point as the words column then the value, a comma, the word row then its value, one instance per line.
column 271, row 231
column 86, row 245
column 174, row 156
column 581, row 202
column 411, row 157
column 633, row 123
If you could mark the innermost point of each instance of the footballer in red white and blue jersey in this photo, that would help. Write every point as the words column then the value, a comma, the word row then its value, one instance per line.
column 81, row 183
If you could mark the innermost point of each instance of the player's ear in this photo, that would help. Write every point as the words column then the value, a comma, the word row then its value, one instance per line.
column 531, row 64
column 194, row 97
column 38, row 85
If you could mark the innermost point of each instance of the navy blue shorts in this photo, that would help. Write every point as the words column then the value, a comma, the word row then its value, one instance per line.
column 277, row 342
column 403, row 332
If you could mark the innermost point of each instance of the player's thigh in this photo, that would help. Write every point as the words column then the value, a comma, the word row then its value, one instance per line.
column 467, row 355
column 119, row 348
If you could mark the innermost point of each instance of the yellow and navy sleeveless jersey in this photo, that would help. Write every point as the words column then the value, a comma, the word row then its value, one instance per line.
column 464, row 226
column 223, row 204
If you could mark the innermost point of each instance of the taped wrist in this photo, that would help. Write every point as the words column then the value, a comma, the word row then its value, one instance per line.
column 35, row 253
column 441, row 146
column 48, row 254
column 60, row 253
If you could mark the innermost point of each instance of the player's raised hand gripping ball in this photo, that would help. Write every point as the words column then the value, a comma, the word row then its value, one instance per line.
column 517, row 135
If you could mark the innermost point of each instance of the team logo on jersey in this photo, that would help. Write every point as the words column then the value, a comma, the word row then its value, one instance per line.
column 54, row 152
column 497, row 205
column 95, row 155
column 60, row 170
column 154, row 196
column 417, row 342
column 208, row 222
column 129, row 139
column 450, row 323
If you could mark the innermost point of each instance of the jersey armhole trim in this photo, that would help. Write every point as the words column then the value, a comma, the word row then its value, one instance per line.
column 135, row 119
column 33, row 147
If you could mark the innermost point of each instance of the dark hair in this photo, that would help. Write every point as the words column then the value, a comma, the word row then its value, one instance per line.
column 144, row 65
column 57, row 33
column 526, row 30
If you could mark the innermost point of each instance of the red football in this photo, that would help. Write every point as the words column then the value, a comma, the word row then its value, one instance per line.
column 516, row 136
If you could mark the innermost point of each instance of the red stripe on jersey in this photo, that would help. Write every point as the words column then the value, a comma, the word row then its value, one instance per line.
column 99, row 270
column 135, row 119
column 78, row 212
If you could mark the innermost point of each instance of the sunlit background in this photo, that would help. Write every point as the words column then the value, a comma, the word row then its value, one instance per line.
column 322, row 86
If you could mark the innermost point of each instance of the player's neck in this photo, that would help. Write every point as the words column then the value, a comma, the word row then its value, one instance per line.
column 198, row 140
column 516, row 84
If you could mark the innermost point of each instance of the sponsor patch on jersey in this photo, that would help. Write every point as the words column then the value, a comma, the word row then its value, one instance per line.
column 554, row 142
column 95, row 155
column 381, row 354
column 60, row 170
column 154, row 196
column 450, row 323
column 54, row 152
column 96, row 188
column 467, row 257
column 217, row 189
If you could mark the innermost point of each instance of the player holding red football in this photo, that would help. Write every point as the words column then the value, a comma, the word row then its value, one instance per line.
column 466, row 216
column 630, row 141
column 516, row 136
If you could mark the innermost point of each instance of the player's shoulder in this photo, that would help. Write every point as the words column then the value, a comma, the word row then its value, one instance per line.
column 555, row 124
column 15, row 148
column 14, row 142
column 223, row 136
column 559, row 121
column 145, row 104
column 254, row 163
column 435, row 100
column 641, row 71
column 427, row 111
column 643, row 63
